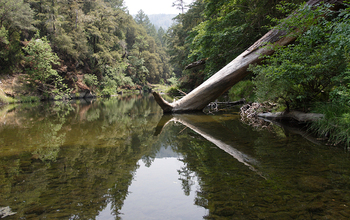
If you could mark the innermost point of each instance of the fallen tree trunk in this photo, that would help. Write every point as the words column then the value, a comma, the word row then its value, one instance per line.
column 232, row 73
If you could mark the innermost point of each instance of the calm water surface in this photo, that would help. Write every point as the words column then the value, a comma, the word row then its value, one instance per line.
column 121, row 158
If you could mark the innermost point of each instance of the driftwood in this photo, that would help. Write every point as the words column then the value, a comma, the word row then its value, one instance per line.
column 232, row 73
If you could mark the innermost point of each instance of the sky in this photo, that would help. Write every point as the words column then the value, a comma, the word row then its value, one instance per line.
column 152, row 6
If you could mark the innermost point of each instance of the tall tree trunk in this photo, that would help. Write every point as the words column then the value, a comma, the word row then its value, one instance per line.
column 232, row 73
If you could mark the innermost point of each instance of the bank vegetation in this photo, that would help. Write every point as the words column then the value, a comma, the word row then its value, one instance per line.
column 309, row 75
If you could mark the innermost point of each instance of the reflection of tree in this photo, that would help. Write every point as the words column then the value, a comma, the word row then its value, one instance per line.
column 186, row 177
column 92, row 154
column 98, row 146
column 295, row 171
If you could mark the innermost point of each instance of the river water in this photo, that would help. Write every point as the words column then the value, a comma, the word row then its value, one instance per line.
column 121, row 158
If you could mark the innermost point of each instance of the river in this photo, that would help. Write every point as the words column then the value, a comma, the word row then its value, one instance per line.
column 121, row 158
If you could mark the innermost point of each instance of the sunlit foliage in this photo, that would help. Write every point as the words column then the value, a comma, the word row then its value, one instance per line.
column 90, row 37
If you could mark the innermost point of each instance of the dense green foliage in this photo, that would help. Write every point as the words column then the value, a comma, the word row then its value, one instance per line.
column 16, row 17
column 336, row 123
column 40, row 73
column 243, row 90
column 217, row 31
column 316, row 68
column 90, row 37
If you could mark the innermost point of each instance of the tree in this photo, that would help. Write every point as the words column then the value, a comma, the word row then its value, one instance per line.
column 141, row 18
column 229, row 28
column 16, row 17
column 40, row 73
column 116, row 3
column 181, row 5
column 216, row 31
column 314, row 68
column 160, row 36
column 179, row 36
column 236, row 70
column 92, row 36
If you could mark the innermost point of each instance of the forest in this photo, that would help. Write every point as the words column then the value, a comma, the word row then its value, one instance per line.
column 62, row 47
column 311, row 74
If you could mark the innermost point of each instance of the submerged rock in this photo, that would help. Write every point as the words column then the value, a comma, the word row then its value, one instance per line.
column 313, row 184
column 6, row 211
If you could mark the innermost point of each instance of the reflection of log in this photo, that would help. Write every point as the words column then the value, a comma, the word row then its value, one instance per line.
column 211, row 130
column 232, row 73
column 302, row 131
column 295, row 115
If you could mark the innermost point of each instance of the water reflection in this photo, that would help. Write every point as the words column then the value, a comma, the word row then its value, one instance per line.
column 214, row 132
column 106, row 159
column 68, row 161
column 303, row 180
column 156, row 193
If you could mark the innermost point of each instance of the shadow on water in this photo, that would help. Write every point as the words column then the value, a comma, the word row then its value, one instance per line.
column 75, row 160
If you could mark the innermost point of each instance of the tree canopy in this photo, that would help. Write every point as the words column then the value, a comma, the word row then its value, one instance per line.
column 95, row 37
column 217, row 31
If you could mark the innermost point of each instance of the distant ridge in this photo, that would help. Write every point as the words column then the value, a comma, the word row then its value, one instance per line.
column 162, row 20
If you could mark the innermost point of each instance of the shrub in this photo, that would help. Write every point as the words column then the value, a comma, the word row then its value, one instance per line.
column 173, row 91
column 315, row 68
column 90, row 80
column 335, row 124
column 243, row 89
column 40, row 74
column 113, row 77
column 173, row 80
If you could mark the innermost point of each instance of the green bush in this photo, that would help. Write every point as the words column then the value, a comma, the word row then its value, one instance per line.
column 109, row 86
column 113, row 77
column 90, row 80
column 314, row 68
column 173, row 91
column 173, row 80
column 335, row 124
column 28, row 99
column 243, row 89
column 40, row 74
column 5, row 99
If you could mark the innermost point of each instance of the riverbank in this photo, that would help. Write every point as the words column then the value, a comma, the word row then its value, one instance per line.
column 14, row 89
column 330, row 124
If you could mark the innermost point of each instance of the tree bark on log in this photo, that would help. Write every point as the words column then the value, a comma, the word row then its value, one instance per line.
column 232, row 73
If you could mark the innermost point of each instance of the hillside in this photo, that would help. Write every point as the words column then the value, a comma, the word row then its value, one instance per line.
column 162, row 20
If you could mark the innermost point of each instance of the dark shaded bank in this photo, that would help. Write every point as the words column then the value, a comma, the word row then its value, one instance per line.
column 331, row 126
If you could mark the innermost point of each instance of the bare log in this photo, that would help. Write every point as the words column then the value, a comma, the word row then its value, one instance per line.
column 232, row 73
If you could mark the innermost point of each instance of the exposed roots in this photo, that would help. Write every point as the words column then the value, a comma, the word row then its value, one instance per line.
column 249, row 115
